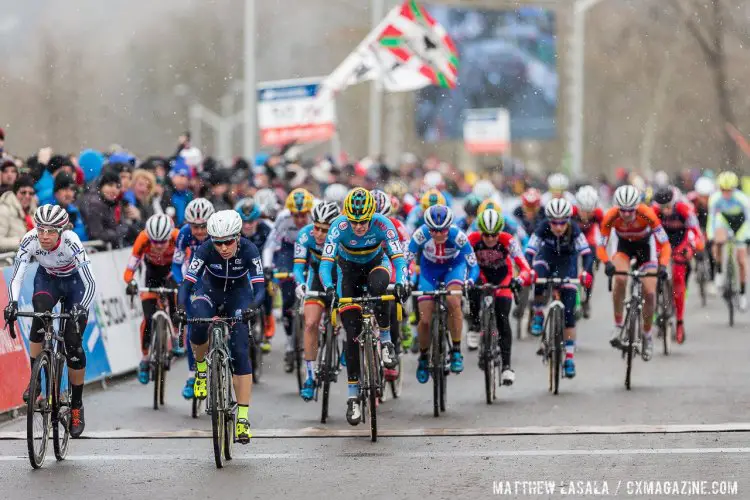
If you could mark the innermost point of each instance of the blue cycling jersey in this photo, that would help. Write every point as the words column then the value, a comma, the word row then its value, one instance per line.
column 528, row 225
column 342, row 242
column 306, row 248
column 208, row 266
column 185, row 241
column 415, row 219
column 571, row 244
column 261, row 234
column 455, row 249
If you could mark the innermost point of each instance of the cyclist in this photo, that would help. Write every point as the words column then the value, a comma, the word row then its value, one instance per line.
column 496, row 251
column 511, row 226
column 704, row 188
column 471, row 207
column 257, row 229
column 400, row 205
column 529, row 212
column 554, row 249
column 279, row 253
column 415, row 218
column 307, row 252
column 639, row 236
column 156, row 246
column 558, row 188
column 218, row 276
column 335, row 193
column 685, row 238
column 729, row 210
column 445, row 256
column 190, row 237
column 64, row 275
column 356, row 238
column 588, row 217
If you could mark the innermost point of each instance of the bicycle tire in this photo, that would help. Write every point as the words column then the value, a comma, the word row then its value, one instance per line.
column 372, row 382
column 443, row 357
column 229, row 416
column 326, row 369
column 702, row 277
column 256, row 352
column 557, row 339
column 436, row 362
column 164, row 361
column 397, row 385
column 61, row 412
column 631, row 320
column 299, row 333
column 729, row 286
column 666, row 327
column 487, row 356
column 215, row 395
column 40, row 377
column 155, row 361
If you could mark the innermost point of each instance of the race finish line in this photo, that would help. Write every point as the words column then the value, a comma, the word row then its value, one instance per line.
column 316, row 432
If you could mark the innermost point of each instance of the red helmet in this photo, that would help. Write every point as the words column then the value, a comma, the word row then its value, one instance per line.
column 531, row 198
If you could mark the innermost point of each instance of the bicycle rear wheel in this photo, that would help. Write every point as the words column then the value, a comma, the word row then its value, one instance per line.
column 371, row 362
column 255, row 352
column 216, row 394
column 61, row 411
column 299, row 331
column 665, row 316
column 488, row 362
column 556, row 329
column 229, row 415
column 326, row 369
column 38, row 410
column 702, row 278
column 436, row 361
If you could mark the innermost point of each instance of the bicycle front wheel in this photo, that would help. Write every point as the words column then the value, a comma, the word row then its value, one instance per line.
column 326, row 369
column 632, row 323
column 299, row 333
column 437, row 363
column 61, row 411
column 38, row 409
column 371, row 362
column 556, row 335
column 488, row 362
column 216, row 395
column 158, row 330
column 444, row 344
column 255, row 351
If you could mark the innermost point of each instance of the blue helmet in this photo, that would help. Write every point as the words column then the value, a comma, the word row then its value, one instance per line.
column 438, row 217
column 248, row 210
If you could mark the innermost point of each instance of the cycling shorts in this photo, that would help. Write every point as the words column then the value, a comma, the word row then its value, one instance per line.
column 739, row 229
column 431, row 275
column 643, row 251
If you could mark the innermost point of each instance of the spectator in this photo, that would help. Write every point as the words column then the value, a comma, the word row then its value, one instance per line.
column 45, row 187
column 219, row 193
column 103, row 213
column 8, row 175
column 16, row 213
column 141, row 196
column 65, row 196
column 180, row 195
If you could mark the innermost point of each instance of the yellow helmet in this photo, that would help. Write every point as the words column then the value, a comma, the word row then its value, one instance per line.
column 489, row 203
column 359, row 205
column 397, row 189
column 727, row 181
column 432, row 197
column 299, row 201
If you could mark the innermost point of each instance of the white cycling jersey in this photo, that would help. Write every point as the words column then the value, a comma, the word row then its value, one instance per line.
column 67, row 258
column 284, row 233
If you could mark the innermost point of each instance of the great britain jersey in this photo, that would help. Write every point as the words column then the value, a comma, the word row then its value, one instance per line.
column 185, row 242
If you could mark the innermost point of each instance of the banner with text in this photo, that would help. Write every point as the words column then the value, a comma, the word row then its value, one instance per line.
column 487, row 131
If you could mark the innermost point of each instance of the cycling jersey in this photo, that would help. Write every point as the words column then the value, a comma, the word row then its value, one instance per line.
column 279, row 246
column 496, row 262
column 261, row 234
column 448, row 262
column 700, row 208
column 155, row 256
column 215, row 272
column 415, row 219
column 66, row 260
column 589, row 227
column 529, row 226
column 342, row 242
column 306, row 249
column 544, row 243
column 186, row 242
column 681, row 224
column 635, row 232
column 733, row 212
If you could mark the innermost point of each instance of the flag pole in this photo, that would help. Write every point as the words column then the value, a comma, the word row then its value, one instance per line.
column 376, row 91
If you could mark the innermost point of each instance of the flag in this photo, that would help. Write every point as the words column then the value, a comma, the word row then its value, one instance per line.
column 408, row 50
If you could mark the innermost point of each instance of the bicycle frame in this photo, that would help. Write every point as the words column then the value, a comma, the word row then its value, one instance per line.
column 553, row 342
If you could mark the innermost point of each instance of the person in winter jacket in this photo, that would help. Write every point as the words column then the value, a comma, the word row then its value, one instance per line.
column 16, row 213
column 8, row 174
column 57, row 165
column 103, row 213
column 180, row 195
column 65, row 195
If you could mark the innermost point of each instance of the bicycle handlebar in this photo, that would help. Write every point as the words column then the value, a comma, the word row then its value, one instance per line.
column 159, row 289
column 633, row 274
column 228, row 319
column 360, row 300
column 436, row 293
column 558, row 281
column 312, row 294
column 43, row 315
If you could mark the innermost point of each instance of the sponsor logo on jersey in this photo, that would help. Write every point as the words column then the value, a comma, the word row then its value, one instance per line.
column 343, row 225
column 390, row 233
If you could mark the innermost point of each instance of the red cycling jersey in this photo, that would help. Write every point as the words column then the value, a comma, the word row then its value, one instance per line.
column 590, row 226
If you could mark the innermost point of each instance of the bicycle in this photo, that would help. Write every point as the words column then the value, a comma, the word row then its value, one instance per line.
column 46, row 398
column 440, row 345
column 553, row 342
column 162, row 331
column 222, row 404
column 298, row 333
column 665, row 310
column 730, row 293
column 257, row 333
column 329, row 356
column 371, row 365
column 489, row 352
column 702, row 277
column 523, row 304
column 631, row 334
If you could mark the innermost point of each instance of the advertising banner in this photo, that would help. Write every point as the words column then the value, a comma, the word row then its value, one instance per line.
column 487, row 131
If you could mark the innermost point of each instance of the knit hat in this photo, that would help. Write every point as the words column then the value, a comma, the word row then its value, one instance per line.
column 22, row 182
column 109, row 176
column 64, row 181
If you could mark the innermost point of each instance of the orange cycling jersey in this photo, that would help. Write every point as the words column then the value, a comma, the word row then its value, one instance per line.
column 156, row 256
column 641, row 228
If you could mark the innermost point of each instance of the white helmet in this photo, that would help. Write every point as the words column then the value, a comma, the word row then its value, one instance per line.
column 558, row 182
column 382, row 202
column 224, row 224
column 159, row 227
column 704, row 186
column 335, row 193
column 267, row 201
column 484, row 189
column 639, row 183
column 51, row 216
column 324, row 212
column 559, row 208
column 627, row 197
column 198, row 211
column 661, row 179
column 587, row 197
column 432, row 179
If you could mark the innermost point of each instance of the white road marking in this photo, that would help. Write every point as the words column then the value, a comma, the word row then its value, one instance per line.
column 409, row 454
column 320, row 432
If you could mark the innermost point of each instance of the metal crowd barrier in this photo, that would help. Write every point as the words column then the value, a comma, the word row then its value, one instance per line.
column 6, row 259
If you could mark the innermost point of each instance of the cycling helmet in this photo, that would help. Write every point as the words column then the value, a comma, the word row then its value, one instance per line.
column 432, row 179
column 299, row 201
column 224, row 224
column 558, row 182
column 559, row 208
column 51, row 216
column 382, row 202
column 627, row 197
column 727, row 181
column 490, row 222
column 664, row 196
column 198, row 211
column 484, row 189
column 431, row 197
column 586, row 198
column 661, row 179
column 531, row 198
column 438, row 217
column 159, row 227
column 397, row 189
column 491, row 203
column 267, row 202
column 704, row 186
column 359, row 205
column 249, row 210
column 335, row 193
column 471, row 205
column 325, row 212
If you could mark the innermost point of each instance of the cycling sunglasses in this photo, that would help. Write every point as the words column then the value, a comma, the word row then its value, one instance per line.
column 320, row 228
column 223, row 243
column 199, row 226
column 359, row 223
column 559, row 222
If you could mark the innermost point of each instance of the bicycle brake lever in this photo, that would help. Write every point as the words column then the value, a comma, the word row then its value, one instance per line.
column 11, row 329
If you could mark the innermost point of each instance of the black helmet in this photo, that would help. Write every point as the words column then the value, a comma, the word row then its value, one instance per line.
column 664, row 195
column 471, row 205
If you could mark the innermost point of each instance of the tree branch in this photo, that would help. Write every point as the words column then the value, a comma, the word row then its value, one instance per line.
column 695, row 30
